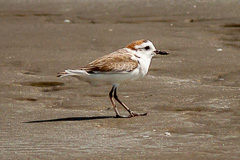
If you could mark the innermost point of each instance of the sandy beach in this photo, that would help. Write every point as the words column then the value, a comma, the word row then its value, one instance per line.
column 192, row 96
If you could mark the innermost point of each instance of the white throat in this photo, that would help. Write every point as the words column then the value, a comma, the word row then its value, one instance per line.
column 144, row 61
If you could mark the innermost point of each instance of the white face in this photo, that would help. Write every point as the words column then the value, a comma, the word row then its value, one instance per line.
column 146, row 49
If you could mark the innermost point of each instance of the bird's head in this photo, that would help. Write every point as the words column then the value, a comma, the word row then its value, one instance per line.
column 145, row 47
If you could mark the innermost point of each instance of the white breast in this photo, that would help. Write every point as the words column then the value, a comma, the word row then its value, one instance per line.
column 144, row 63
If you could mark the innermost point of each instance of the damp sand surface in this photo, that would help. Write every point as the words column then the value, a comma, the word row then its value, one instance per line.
column 192, row 96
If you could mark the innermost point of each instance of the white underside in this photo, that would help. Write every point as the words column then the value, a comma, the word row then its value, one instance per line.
column 99, row 79
column 113, row 78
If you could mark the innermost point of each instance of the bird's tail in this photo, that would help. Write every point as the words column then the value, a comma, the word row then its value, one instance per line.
column 70, row 72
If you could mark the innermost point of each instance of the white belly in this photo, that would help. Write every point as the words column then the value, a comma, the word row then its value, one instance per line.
column 113, row 78
column 117, row 78
column 98, row 79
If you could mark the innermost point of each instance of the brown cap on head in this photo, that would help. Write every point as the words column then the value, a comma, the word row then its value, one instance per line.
column 135, row 43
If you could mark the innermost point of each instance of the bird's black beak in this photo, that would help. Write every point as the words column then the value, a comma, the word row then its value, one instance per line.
column 161, row 52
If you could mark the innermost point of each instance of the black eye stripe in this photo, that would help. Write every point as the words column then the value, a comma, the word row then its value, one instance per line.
column 147, row 48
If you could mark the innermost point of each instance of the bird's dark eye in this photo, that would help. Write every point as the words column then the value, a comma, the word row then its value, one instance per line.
column 147, row 48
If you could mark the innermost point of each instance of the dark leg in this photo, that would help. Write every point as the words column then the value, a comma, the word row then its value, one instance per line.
column 132, row 114
column 113, row 103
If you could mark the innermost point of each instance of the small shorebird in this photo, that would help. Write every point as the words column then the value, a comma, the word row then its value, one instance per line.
column 124, row 65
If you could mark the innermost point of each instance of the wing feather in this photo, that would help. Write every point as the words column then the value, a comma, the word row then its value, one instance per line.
column 118, row 61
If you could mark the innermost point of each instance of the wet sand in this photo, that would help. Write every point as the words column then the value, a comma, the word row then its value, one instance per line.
column 192, row 96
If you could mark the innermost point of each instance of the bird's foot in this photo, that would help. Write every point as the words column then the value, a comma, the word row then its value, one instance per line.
column 138, row 114
column 119, row 116
column 132, row 114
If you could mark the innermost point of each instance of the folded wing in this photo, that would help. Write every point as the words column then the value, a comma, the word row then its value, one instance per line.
column 118, row 61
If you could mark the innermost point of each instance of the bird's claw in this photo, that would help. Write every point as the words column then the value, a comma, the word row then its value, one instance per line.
column 138, row 114
column 119, row 116
column 132, row 114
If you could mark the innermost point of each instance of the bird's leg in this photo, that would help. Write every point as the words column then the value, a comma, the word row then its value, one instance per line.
column 132, row 114
column 113, row 103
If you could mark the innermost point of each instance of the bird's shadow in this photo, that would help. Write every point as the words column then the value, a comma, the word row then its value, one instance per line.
column 71, row 119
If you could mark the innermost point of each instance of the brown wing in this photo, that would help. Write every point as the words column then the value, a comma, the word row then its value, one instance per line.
column 118, row 61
